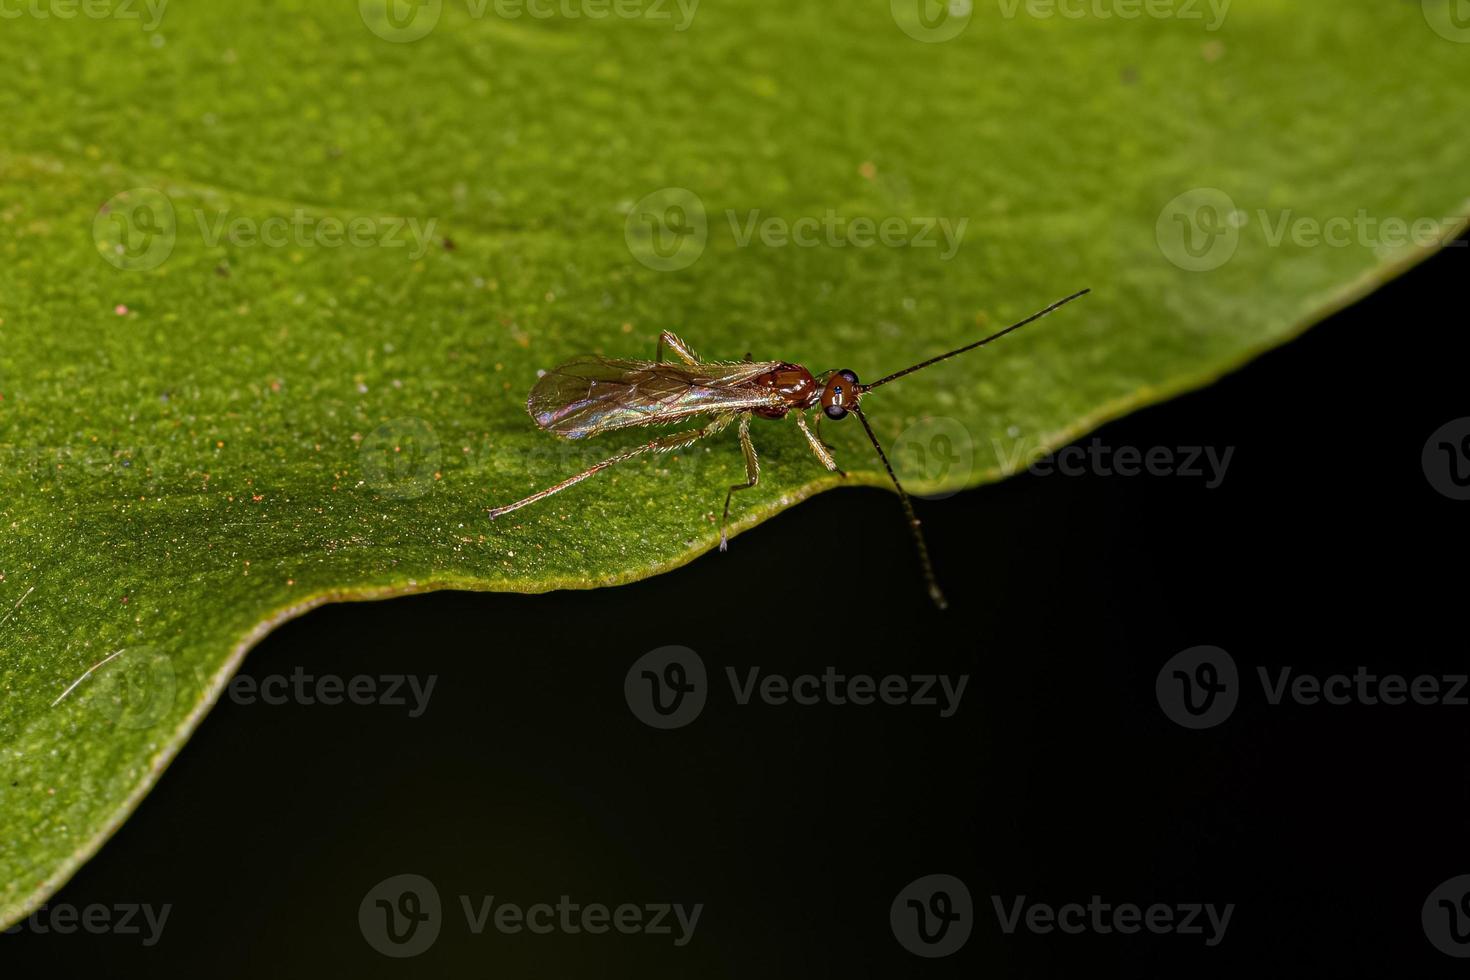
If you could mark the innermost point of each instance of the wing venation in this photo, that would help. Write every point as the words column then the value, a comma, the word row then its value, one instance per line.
column 599, row 394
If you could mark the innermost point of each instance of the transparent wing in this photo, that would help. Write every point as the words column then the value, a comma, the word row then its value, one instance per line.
column 597, row 394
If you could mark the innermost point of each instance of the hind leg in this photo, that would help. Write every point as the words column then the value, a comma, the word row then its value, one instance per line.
column 752, row 475
column 677, row 440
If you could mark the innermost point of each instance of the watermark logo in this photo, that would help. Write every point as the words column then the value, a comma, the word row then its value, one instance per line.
column 401, row 916
column 132, row 689
column 666, row 688
column 932, row 916
column 936, row 451
column 1199, row 230
column 1198, row 688
column 400, row 21
column 1450, row 19
column 932, row 21
column 136, row 229
column 400, row 458
column 1446, row 917
column 668, row 229
column 1446, row 459
column 138, row 691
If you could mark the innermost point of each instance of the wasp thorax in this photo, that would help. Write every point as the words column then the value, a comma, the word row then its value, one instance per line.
column 840, row 394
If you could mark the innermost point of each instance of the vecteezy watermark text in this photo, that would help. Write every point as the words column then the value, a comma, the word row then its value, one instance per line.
column 668, row 687
column 571, row 918
column 1211, row 13
column 137, row 229
column 936, row 21
column 669, row 229
column 120, row 919
column 1096, row 458
column 1201, row 230
column 834, row 230
column 1199, row 688
column 1104, row 918
column 940, row 450
column 388, row 690
column 402, row 916
column 1362, row 687
column 834, row 687
column 301, row 229
column 403, row 21
column 150, row 12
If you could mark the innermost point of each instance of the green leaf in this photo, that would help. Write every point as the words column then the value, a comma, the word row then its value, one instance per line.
column 274, row 283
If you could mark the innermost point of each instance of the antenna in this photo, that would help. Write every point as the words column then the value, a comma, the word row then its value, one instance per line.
column 979, row 343
column 908, row 508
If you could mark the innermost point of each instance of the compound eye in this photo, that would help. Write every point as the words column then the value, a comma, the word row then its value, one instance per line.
column 849, row 375
column 835, row 412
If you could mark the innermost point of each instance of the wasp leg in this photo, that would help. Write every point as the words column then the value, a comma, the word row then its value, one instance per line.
column 821, row 449
column 752, row 476
column 673, row 343
column 677, row 440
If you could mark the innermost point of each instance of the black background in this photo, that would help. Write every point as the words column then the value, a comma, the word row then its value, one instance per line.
column 1059, row 778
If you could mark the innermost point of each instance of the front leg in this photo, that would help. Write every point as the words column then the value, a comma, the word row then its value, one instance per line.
column 820, row 416
column 673, row 343
column 820, row 448
column 752, row 476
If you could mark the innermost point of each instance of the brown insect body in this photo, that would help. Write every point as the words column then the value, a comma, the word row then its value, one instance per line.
column 796, row 386
column 592, row 395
